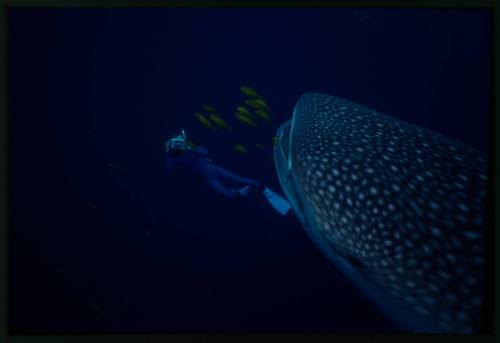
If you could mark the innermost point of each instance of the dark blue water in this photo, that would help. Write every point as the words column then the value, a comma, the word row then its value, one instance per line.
column 93, row 248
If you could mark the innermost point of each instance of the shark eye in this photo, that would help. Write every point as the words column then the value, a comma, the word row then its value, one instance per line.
column 355, row 262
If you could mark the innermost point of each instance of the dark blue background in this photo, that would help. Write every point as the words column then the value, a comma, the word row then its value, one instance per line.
column 162, row 252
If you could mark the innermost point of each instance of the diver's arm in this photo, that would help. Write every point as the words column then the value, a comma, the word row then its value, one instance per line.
column 200, row 150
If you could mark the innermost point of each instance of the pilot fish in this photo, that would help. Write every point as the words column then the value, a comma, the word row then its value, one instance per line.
column 243, row 110
column 209, row 108
column 204, row 121
column 399, row 209
column 249, row 91
column 245, row 119
column 219, row 121
column 240, row 148
column 262, row 114
column 257, row 104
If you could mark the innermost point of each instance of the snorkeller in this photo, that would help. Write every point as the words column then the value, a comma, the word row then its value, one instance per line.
column 180, row 152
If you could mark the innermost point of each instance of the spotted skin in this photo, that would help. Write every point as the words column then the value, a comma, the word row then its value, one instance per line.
column 402, row 205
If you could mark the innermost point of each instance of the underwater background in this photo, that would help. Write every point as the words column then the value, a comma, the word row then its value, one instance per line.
column 104, row 239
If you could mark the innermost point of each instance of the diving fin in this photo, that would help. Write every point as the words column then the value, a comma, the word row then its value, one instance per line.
column 276, row 201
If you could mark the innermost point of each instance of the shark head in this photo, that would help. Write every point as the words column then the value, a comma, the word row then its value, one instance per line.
column 397, row 208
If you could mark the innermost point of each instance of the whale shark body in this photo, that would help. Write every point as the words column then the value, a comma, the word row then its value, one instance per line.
column 399, row 209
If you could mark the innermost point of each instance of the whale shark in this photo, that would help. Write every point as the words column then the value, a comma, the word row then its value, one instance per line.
column 399, row 209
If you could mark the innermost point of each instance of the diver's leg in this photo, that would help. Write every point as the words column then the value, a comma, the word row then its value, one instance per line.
column 278, row 202
column 219, row 187
column 225, row 174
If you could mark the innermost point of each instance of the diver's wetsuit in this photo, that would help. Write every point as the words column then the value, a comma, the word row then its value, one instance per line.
column 197, row 160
